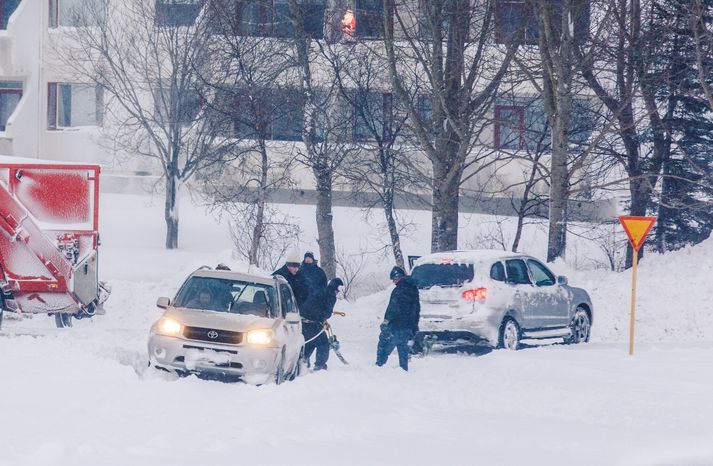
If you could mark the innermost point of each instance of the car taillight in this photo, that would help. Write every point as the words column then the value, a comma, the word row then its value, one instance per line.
column 477, row 294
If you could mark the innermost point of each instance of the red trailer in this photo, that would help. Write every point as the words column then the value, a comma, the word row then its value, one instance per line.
column 49, row 238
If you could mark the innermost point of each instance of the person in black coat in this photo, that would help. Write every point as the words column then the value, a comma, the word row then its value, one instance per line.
column 319, row 308
column 294, row 276
column 314, row 276
column 400, row 320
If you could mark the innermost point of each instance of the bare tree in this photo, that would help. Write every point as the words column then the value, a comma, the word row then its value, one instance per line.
column 146, row 63
column 556, row 31
column 249, row 79
column 618, row 63
column 444, row 50
column 324, row 132
column 382, row 163
column 350, row 267
column 278, row 234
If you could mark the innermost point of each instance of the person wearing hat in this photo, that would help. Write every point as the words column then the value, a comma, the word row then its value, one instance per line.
column 294, row 276
column 315, row 277
column 400, row 320
column 318, row 308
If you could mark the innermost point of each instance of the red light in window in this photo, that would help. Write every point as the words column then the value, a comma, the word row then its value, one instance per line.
column 349, row 23
column 477, row 294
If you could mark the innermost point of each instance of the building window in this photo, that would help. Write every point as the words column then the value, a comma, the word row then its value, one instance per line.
column 72, row 105
column 266, row 18
column 188, row 102
column 268, row 114
column 76, row 13
column 312, row 12
column 369, row 17
column 521, row 124
column 515, row 20
column 429, row 15
column 177, row 13
column 510, row 127
column 7, row 7
column 425, row 108
column 372, row 116
column 10, row 95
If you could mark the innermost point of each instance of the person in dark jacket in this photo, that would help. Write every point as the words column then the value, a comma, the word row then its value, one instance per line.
column 400, row 320
column 318, row 309
column 292, row 273
column 315, row 277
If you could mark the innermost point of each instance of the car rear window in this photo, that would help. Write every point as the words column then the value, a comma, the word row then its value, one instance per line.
column 444, row 275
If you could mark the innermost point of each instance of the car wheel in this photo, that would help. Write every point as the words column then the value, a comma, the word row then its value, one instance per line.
column 510, row 334
column 297, row 370
column 63, row 320
column 580, row 327
column 280, row 371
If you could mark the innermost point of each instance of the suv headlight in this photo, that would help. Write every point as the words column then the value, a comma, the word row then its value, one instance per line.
column 259, row 337
column 169, row 327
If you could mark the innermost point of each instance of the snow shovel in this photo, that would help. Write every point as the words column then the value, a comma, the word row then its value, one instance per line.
column 333, row 342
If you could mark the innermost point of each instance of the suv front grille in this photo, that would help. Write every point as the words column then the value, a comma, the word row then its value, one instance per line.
column 212, row 335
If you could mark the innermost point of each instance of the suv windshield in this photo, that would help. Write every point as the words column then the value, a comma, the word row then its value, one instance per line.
column 429, row 275
column 224, row 295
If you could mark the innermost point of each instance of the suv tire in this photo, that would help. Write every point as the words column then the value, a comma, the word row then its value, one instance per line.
column 510, row 334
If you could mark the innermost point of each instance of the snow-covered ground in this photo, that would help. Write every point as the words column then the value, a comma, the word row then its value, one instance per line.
column 83, row 396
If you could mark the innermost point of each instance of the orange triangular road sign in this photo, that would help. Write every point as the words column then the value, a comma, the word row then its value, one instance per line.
column 637, row 228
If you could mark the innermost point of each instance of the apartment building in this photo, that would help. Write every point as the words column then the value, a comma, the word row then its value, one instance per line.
column 44, row 114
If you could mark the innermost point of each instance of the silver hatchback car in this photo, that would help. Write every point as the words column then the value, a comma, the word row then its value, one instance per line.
column 229, row 324
column 497, row 299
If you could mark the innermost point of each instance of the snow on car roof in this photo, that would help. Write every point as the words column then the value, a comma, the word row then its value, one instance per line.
column 254, row 277
column 469, row 256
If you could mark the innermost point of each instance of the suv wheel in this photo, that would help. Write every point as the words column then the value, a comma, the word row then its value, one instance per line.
column 510, row 334
column 280, row 371
column 580, row 327
column 295, row 372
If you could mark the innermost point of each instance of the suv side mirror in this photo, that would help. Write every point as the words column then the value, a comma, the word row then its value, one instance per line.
column 293, row 317
column 163, row 302
column 561, row 280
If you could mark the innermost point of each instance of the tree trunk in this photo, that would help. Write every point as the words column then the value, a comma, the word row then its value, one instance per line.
column 444, row 214
column 556, row 50
column 393, row 230
column 171, row 211
column 640, row 198
column 258, row 228
column 325, row 231
column 559, row 184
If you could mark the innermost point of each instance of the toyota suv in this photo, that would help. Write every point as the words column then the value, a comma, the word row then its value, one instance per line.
column 231, row 324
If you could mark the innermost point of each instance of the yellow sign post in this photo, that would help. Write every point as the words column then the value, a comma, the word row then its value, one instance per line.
column 636, row 229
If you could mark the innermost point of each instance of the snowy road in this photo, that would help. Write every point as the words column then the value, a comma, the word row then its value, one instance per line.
column 84, row 397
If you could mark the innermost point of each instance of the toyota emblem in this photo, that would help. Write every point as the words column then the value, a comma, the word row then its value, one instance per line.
column 212, row 334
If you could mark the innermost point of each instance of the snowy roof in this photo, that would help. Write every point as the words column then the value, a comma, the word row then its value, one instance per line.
column 254, row 277
column 11, row 160
column 470, row 256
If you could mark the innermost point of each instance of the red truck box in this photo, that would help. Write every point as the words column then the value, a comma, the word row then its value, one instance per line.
column 49, row 238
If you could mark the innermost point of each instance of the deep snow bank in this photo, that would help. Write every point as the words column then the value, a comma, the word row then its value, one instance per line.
column 673, row 300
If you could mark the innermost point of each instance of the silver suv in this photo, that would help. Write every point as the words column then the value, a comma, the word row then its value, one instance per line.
column 224, row 323
column 497, row 299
